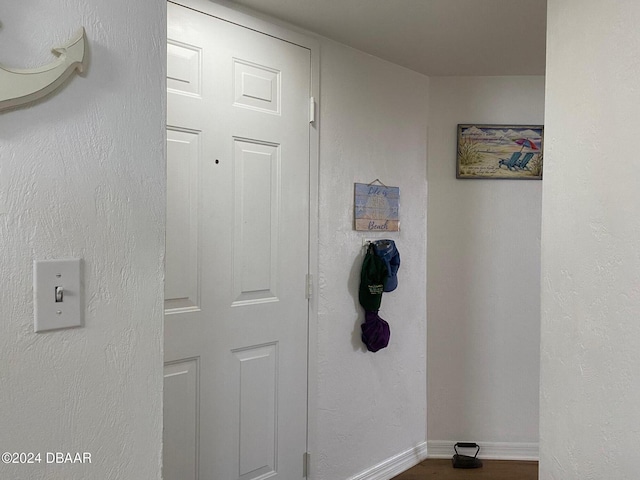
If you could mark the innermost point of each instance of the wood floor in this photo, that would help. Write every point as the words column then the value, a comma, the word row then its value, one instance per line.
column 491, row 470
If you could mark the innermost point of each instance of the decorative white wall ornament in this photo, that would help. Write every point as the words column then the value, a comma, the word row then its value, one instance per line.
column 22, row 86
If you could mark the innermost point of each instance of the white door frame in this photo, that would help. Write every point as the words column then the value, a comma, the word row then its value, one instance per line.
column 276, row 28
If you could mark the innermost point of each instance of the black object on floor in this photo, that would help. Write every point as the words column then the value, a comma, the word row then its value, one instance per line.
column 466, row 461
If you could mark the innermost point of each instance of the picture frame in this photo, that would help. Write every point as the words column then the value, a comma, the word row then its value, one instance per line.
column 486, row 151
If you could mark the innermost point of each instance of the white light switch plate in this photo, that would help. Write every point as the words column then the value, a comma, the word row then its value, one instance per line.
column 66, row 312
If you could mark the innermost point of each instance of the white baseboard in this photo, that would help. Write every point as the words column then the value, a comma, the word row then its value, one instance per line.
column 395, row 465
column 488, row 450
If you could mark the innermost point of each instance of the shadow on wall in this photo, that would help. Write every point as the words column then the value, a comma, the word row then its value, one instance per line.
column 354, row 286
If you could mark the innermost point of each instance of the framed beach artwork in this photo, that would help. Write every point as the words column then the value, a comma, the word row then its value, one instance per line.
column 500, row 151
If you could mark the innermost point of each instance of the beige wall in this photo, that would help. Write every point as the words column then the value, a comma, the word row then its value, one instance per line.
column 483, row 279
column 590, row 362
column 371, row 406
column 82, row 174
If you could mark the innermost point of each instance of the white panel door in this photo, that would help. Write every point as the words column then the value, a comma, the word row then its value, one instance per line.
column 236, row 320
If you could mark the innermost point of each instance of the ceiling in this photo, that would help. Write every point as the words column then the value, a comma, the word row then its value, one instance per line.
column 434, row 37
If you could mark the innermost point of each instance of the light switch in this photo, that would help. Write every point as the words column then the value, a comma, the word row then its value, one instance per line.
column 57, row 294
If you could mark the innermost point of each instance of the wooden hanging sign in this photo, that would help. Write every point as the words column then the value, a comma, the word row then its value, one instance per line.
column 376, row 207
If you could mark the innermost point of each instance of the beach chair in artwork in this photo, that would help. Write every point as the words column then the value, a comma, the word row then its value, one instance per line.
column 522, row 163
column 510, row 164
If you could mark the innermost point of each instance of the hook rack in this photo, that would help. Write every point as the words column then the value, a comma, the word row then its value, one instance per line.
column 368, row 241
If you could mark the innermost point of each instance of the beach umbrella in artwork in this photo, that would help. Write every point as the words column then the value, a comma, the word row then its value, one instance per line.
column 525, row 142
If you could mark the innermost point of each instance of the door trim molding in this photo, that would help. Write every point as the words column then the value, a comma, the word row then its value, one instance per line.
column 247, row 18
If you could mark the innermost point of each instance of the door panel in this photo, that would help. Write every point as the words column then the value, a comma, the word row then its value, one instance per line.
column 257, row 198
column 256, row 370
column 236, row 323
column 180, row 435
column 256, row 86
column 182, row 288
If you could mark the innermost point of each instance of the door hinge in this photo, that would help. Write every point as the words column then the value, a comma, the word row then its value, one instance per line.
column 309, row 289
column 306, row 464
column 312, row 110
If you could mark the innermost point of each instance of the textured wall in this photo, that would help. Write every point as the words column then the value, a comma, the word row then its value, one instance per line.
column 82, row 175
column 483, row 273
column 590, row 352
column 371, row 406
